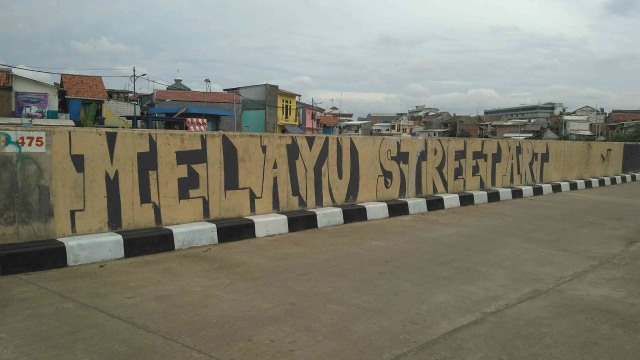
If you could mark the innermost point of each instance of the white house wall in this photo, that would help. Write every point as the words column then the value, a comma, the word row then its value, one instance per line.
column 21, row 84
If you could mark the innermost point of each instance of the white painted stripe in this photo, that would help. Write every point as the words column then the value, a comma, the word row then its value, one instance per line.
column 546, row 189
column 450, row 200
column 480, row 197
column 527, row 191
column 328, row 216
column 628, row 177
column 416, row 205
column 193, row 234
column 607, row 181
column 86, row 249
column 564, row 186
column 580, row 184
column 270, row 224
column 594, row 183
column 505, row 194
column 618, row 179
column 376, row 210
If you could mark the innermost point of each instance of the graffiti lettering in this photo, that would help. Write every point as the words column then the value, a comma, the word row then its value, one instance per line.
column 119, row 180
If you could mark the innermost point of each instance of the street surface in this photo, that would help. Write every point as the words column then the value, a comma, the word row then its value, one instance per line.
column 549, row 277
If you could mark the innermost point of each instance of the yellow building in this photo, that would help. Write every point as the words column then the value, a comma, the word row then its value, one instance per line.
column 287, row 111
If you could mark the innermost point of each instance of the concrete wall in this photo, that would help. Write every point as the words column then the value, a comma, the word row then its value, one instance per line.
column 272, row 110
column 121, row 108
column 106, row 180
column 26, row 205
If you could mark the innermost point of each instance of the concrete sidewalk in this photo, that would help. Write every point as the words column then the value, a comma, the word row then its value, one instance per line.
column 552, row 277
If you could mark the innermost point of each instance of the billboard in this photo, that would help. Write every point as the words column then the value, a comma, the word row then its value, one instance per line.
column 31, row 105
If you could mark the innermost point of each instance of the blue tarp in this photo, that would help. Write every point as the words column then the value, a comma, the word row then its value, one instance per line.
column 191, row 110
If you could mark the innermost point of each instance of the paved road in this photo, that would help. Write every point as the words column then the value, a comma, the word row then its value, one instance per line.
column 550, row 277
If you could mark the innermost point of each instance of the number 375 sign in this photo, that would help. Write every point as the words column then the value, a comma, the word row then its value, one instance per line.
column 22, row 141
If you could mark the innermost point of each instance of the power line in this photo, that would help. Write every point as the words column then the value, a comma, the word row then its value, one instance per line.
column 58, row 73
column 78, row 69
column 153, row 81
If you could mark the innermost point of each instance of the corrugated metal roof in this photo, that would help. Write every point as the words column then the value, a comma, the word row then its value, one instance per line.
column 197, row 96
column 190, row 110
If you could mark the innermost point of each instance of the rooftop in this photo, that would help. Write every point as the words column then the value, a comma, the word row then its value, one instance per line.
column 178, row 85
column 285, row 92
column 328, row 120
column 197, row 96
column 83, row 86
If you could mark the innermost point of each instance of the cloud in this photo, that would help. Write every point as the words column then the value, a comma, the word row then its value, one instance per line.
column 300, row 83
column 623, row 7
column 423, row 64
column 101, row 45
column 417, row 90
column 453, row 55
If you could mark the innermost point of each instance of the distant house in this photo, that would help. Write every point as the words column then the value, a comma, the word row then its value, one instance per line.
column 500, row 129
column 420, row 111
column 82, row 97
column 288, row 114
column 169, row 108
column 529, row 112
column 356, row 127
column 267, row 108
column 465, row 125
column 585, row 111
column 576, row 127
column 338, row 119
column 329, row 124
column 437, row 120
column 23, row 97
column 376, row 118
column 618, row 116
column 626, row 127
column 385, row 128
column 309, row 117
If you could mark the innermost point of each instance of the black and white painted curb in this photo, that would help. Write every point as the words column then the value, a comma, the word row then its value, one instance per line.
column 40, row 255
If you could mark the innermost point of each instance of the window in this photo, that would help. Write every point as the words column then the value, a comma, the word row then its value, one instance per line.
column 286, row 109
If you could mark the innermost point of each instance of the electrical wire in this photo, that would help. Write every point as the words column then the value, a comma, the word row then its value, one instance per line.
column 58, row 73
column 27, row 67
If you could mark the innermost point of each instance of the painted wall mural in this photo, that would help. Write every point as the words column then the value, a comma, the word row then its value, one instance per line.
column 111, row 180
column 25, row 192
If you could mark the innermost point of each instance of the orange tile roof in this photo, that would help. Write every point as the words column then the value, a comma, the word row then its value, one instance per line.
column 83, row 86
column 629, row 115
column 197, row 96
column 328, row 120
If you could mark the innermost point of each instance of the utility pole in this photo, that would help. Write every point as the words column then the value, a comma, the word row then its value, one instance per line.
column 135, row 100
column 135, row 119
column 313, row 117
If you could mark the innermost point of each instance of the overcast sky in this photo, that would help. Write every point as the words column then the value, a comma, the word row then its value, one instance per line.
column 370, row 56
